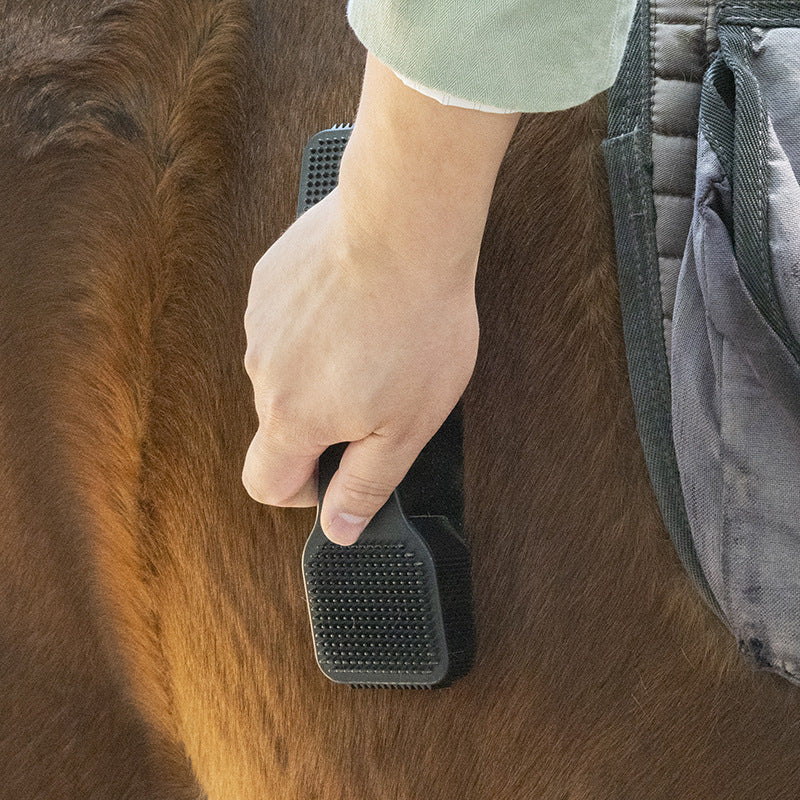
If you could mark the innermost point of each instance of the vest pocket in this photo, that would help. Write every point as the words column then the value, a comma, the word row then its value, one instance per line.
column 734, row 368
column 750, row 118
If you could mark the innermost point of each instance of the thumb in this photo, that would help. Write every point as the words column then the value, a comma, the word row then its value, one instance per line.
column 369, row 471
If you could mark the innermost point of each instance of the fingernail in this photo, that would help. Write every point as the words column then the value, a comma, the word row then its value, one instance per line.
column 344, row 528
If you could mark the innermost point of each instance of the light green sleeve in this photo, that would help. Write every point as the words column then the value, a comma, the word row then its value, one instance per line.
column 528, row 55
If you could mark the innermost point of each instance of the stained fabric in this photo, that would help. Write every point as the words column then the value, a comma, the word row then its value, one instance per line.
column 735, row 375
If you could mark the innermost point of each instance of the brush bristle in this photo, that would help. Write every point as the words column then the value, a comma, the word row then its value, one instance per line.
column 395, row 608
column 372, row 607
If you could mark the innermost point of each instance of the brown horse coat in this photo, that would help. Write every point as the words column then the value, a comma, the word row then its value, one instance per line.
column 154, row 637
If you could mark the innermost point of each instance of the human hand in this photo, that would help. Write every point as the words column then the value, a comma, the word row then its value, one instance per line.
column 338, row 350
column 361, row 321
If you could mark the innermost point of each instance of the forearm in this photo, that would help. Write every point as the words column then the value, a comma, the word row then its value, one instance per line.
column 419, row 175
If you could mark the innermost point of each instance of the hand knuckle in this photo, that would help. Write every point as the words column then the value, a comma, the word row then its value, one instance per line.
column 272, row 432
column 251, row 361
column 256, row 492
column 266, row 493
column 277, row 419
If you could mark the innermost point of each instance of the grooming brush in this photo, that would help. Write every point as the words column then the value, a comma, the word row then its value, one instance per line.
column 395, row 608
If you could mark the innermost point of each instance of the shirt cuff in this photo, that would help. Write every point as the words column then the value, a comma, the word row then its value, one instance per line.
column 449, row 100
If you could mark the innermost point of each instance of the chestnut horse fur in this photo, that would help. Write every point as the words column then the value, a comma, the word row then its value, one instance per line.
column 154, row 637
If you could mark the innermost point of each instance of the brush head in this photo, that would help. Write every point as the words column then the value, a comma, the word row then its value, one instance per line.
column 395, row 608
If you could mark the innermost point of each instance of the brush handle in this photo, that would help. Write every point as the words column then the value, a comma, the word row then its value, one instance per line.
column 328, row 464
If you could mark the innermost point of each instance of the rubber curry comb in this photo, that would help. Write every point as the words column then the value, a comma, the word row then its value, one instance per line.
column 394, row 609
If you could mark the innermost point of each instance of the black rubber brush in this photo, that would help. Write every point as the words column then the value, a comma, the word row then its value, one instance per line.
column 395, row 608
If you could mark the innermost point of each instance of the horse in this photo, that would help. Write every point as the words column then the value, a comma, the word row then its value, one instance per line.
column 154, row 635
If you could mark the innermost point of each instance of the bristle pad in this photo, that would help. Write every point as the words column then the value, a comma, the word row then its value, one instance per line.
column 372, row 609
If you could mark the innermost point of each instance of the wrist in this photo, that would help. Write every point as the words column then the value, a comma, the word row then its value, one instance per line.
column 412, row 207
column 394, row 258
column 418, row 175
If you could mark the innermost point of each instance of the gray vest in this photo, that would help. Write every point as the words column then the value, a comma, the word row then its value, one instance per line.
column 703, row 158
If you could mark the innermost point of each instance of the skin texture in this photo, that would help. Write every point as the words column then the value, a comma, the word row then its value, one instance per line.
column 337, row 357
column 361, row 320
column 154, row 635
